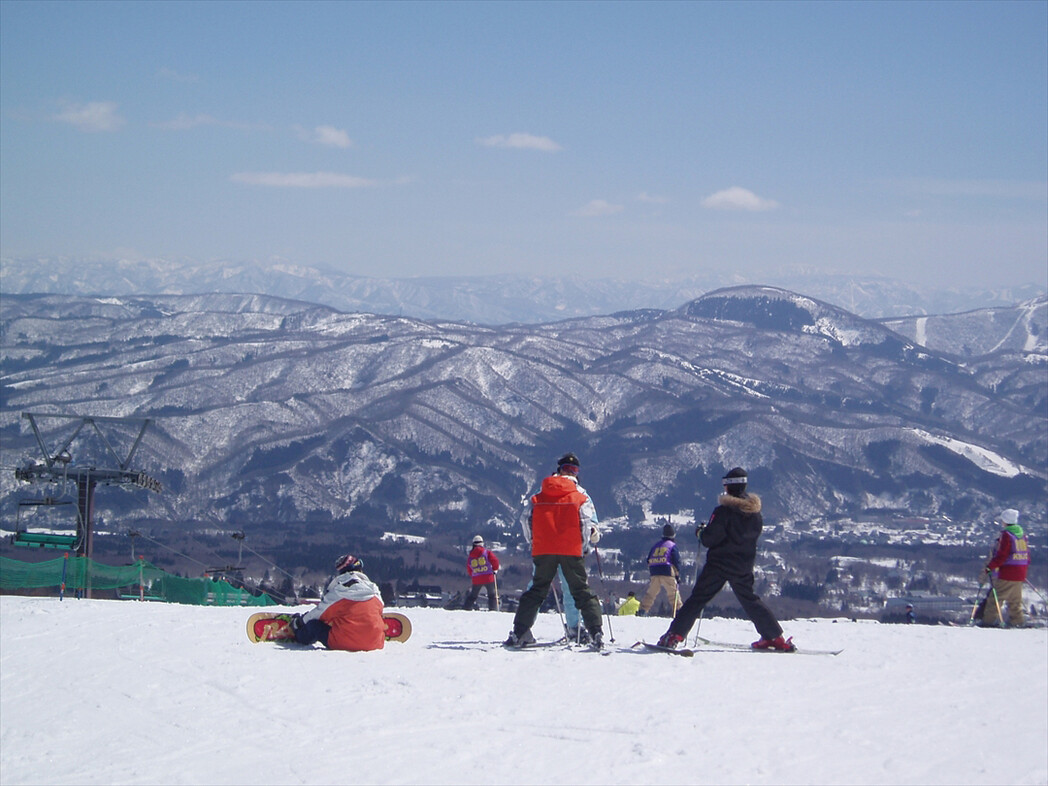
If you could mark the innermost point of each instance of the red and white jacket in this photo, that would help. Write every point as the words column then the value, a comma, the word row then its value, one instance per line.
column 352, row 607
column 562, row 519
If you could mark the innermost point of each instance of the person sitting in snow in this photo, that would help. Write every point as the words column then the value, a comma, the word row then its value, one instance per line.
column 1007, row 571
column 731, row 539
column 349, row 615
column 482, row 565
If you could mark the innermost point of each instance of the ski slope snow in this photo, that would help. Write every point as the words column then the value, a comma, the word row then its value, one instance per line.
column 119, row 692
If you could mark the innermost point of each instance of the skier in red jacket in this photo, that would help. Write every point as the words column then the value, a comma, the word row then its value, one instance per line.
column 1010, row 560
column 482, row 566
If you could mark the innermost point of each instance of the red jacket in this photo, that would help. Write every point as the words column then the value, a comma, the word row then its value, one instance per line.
column 352, row 607
column 356, row 625
column 556, row 523
column 482, row 565
column 1011, row 557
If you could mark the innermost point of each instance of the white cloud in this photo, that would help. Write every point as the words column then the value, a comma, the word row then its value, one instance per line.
column 736, row 198
column 329, row 136
column 598, row 207
column 185, row 122
column 92, row 116
column 644, row 196
column 521, row 142
column 302, row 180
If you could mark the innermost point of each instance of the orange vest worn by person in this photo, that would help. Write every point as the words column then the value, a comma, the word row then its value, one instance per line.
column 556, row 524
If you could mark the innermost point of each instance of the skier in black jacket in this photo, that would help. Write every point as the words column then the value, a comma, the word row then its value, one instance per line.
column 731, row 536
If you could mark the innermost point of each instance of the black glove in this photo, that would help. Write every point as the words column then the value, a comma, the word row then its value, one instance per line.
column 296, row 622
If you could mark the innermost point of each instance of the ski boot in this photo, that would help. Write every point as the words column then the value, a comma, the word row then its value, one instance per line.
column 519, row 641
column 577, row 635
column 778, row 643
column 670, row 640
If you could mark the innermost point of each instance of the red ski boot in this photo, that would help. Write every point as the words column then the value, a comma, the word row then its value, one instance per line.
column 778, row 643
column 670, row 640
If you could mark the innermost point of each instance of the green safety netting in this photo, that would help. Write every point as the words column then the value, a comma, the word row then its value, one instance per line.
column 140, row 578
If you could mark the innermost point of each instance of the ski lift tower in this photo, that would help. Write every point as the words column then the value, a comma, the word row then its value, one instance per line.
column 59, row 468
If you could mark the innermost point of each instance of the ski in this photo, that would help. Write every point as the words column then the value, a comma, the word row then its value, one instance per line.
column 488, row 646
column 684, row 653
column 483, row 645
column 708, row 645
column 538, row 645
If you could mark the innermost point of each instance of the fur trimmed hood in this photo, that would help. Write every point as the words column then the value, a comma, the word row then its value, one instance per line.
column 747, row 503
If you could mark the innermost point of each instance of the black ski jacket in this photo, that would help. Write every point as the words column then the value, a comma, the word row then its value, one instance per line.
column 731, row 534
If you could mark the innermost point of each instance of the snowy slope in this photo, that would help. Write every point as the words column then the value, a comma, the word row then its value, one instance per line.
column 116, row 692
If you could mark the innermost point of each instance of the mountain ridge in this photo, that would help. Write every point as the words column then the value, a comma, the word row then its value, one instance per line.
column 310, row 414
column 489, row 300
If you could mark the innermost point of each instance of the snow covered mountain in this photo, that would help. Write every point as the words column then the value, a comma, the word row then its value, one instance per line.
column 273, row 411
column 1016, row 329
column 487, row 300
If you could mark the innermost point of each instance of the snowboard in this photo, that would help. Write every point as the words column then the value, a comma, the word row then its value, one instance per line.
column 265, row 626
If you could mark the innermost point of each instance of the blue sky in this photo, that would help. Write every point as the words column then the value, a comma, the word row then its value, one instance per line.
column 636, row 140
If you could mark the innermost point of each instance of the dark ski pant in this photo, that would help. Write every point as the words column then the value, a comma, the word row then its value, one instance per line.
column 574, row 570
column 313, row 631
column 710, row 582
column 474, row 592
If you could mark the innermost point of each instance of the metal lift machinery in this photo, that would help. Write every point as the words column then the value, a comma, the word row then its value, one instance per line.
column 59, row 468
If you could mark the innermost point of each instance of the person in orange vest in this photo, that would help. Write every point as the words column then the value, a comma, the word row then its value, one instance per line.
column 482, row 565
column 349, row 615
column 561, row 522
column 1010, row 560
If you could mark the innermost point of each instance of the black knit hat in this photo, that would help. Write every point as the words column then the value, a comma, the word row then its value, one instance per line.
column 669, row 532
column 735, row 482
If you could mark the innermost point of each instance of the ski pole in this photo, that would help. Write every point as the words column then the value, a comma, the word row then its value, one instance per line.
column 556, row 600
column 698, row 624
column 600, row 572
column 495, row 581
column 1039, row 593
column 996, row 600
column 975, row 607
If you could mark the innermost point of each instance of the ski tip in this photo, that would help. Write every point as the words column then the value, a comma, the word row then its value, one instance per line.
column 684, row 653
